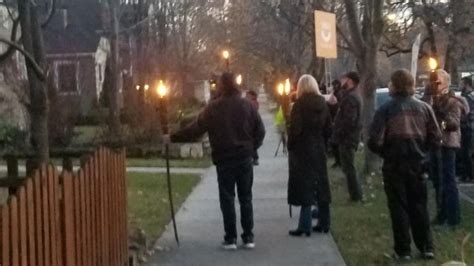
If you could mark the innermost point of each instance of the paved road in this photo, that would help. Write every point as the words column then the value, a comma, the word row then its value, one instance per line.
column 201, row 229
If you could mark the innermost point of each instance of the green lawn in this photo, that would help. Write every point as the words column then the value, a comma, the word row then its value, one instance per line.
column 148, row 205
column 160, row 162
column 363, row 231
column 86, row 135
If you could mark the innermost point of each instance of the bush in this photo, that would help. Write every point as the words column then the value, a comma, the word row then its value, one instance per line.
column 12, row 138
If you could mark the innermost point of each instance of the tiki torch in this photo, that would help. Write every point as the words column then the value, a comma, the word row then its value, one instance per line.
column 226, row 56
column 162, row 91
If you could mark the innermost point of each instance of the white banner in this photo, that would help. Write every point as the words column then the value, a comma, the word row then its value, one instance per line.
column 415, row 51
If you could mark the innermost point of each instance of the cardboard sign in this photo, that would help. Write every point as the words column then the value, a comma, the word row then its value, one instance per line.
column 325, row 31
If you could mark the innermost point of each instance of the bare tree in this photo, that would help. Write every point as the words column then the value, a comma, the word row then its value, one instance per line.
column 32, row 49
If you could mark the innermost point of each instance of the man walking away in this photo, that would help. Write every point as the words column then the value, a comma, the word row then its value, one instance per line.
column 402, row 132
column 449, row 109
column 347, row 129
column 235, row 131
column 467, row 126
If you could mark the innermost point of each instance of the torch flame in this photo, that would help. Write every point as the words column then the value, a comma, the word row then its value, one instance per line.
column 287, row 87
column 433, row 63
column 225, row 54
column 162, row 90
column 280, row 89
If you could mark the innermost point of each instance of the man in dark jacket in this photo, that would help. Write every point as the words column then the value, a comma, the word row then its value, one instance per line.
column 346, row 132
column 235, row 131
column 449, row 109
column 467, row 126
column 402, row 132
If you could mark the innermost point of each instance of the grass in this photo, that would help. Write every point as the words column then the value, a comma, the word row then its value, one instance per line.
column 363, row 231
column 148, row 205
column 145, row 162
column 160, row 162
column 85, row 134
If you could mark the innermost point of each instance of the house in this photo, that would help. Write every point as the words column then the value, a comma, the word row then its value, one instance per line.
column 77, row 53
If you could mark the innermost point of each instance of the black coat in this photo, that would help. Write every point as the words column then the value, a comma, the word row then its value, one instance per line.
column 310, row 123
column 234, row 125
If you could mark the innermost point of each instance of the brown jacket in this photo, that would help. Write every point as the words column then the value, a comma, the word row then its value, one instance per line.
column 449, row 109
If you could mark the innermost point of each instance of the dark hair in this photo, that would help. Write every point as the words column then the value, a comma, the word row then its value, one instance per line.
column 403, row 83
column 467, row 81
column 252, row 92
column 336, row 84
column 354, row 76
column 227, row 84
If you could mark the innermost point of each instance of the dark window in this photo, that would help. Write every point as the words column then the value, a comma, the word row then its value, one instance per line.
column 67, row 78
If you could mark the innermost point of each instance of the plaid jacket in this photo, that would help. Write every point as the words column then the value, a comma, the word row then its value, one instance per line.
column 403, row 129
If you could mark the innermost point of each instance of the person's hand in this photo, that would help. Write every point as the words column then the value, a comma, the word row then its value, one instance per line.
column 332, row 100
column 166, row 139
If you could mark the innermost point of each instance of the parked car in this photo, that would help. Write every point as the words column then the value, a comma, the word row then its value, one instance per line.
column 382, row 96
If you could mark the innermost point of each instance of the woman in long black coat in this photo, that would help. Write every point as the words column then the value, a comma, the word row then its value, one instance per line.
column 308, row 183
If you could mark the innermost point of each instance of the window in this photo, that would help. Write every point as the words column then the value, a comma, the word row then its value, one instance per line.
column 67, row 77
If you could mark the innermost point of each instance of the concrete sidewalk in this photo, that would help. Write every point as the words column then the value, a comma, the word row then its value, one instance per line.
column 200, row 223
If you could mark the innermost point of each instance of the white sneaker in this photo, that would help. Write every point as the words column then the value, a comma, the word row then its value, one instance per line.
column 249, row 245
column 229, row 245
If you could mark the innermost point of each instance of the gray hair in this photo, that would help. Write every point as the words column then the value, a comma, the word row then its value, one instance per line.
column 444, row 75
column 307, row 84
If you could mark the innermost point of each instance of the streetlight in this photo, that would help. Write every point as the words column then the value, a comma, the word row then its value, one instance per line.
column 392, row 16
column 137, row 87
column 163, row 92
column 239, row 79
column 226, row 56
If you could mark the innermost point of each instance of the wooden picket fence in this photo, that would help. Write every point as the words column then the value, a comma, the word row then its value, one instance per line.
column 68, row 219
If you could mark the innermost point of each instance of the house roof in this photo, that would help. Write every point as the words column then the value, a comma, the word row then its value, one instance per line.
column 82, row 32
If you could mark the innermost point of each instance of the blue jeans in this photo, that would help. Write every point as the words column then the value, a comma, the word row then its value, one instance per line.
column 305, row 221
column 450, row 206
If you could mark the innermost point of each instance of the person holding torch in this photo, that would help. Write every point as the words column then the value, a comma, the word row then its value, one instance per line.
column 449, row 109
column 235, row 131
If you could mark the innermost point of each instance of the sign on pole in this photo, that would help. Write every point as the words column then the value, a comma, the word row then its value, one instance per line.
column 415, row 51
column 325, row 31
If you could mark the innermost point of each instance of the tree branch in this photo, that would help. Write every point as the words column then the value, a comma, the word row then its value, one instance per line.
column 29, row 58
column 354, row 26
column 51, row 12
column 11, row 50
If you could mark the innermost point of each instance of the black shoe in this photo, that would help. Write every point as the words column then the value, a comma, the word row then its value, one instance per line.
column 320, row 229
column 298, row 232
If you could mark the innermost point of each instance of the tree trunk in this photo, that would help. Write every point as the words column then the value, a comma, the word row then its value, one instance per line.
column 114, row 110
column 368, row 86
column 32, row 38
